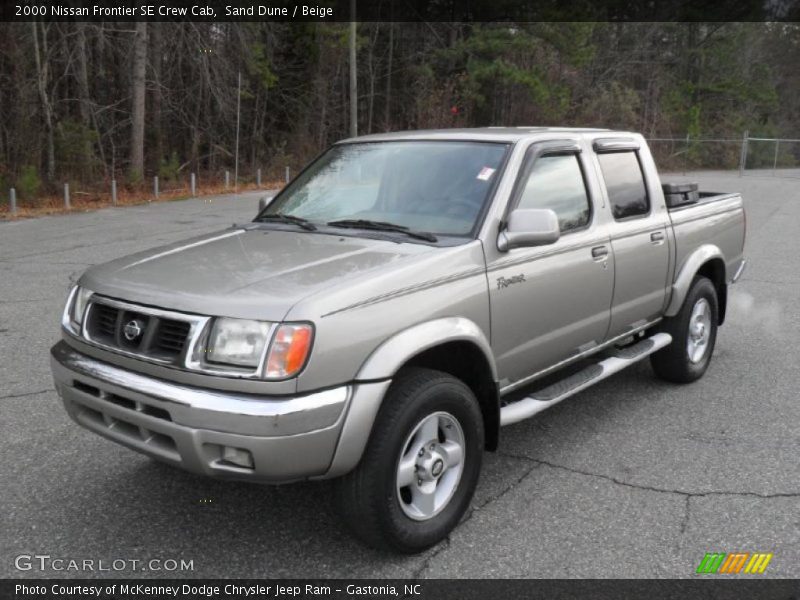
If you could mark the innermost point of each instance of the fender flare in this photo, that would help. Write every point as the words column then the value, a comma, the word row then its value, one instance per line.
column 687, row 273
column 374, row 378
column 387, row 358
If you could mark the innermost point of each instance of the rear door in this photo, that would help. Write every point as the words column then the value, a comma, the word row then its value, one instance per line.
column 638, row 232
column 549, row 303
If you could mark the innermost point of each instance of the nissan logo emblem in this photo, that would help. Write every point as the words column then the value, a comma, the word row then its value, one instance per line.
column 132, row 330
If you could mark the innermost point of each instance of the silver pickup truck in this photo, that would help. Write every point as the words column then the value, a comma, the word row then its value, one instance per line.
column 393, row 307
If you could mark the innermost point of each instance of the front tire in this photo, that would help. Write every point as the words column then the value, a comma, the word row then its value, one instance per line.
column 420, row 467
column 694, row 334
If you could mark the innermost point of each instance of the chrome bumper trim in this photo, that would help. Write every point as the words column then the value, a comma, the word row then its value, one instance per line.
column 224, row 411
column 315, row 436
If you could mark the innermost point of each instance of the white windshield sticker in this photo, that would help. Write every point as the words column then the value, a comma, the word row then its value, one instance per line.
column 486, row 173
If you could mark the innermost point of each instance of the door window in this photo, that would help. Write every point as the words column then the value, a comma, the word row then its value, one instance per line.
column 556, row 182
column 627, row 192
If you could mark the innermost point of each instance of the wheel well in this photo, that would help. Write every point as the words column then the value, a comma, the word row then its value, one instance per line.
column 715, row 271
column 465, row 361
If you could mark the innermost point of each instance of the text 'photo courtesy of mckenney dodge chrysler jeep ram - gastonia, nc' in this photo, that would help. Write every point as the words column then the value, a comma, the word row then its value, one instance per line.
column 393, row 307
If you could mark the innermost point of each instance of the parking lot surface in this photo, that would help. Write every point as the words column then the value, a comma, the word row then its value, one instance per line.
column 631, row 478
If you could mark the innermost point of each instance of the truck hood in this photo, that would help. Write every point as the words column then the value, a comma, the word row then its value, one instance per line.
column 244, row 272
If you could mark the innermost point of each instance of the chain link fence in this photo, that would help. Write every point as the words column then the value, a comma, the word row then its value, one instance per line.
column 776, row 157
column 753, row 156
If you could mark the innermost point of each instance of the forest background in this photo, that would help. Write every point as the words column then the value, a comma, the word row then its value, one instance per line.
column 87, row 103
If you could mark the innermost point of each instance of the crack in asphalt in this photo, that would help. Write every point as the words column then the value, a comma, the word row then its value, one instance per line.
column 446, row 543
column 686, row 515
column 538, row 463
column 501, row 494
column 23, row 394
column 683, row 525
column 443, row 545
column 648, row 488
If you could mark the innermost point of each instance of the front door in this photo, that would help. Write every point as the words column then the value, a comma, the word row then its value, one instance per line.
column 548, row 303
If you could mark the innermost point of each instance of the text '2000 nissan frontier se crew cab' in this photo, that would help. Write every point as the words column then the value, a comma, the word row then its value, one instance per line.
column 392, row 307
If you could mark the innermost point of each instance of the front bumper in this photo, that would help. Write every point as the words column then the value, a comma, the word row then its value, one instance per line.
column 317, row 435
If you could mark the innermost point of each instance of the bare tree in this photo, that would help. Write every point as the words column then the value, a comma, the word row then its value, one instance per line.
column 77, row 95
column 156, row 52
column 42, row 79
column 136, row 167
column 389, row 65
column 353, row 72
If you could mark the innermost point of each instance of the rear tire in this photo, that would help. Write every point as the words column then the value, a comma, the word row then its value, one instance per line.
column 420, row 467
column 694, row 333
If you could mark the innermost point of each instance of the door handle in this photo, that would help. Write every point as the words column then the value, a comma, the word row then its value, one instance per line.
column 657, row 237
column 599, row 252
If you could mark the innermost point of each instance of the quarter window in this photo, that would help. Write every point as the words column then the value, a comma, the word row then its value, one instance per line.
column 556, row 182
column 627, row 192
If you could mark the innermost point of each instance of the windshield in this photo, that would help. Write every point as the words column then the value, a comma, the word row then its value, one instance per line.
column 436, row 187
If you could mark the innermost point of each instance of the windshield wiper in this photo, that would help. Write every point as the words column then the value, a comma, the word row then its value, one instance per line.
column 299, row 221
column 383, row 226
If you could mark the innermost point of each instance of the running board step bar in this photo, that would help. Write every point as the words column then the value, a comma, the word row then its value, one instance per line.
column 561, row 390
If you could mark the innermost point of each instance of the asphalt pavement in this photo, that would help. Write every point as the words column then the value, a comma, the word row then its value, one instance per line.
column 631, row 478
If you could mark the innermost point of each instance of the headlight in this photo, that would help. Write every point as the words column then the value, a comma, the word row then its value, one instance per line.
column 289, row 351
column 238, row 342
column 245, row 343
column 76, row 308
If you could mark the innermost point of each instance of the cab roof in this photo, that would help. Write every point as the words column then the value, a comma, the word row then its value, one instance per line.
column 481, row 134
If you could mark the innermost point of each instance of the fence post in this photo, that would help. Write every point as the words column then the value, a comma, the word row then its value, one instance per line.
column 114, row 192
column 66, row 197
column 12, row 200
column 287, row 174
column 686, row 155
column 194, row 185
column 155, row 187
column 743, row 157
column 227, row 179
column 258, row 178
column 775, row 160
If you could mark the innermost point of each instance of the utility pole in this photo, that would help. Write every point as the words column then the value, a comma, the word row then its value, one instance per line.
column 236, row 152
column 353, row 71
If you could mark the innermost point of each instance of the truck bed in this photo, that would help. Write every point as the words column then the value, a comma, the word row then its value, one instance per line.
column 716, row 219
column 705, row 198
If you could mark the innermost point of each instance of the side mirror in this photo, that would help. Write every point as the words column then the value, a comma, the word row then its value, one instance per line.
column 263, row 202
column 529, row 227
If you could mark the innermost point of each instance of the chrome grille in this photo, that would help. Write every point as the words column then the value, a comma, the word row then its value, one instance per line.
column 171, row 336
column 159, row 335
column 166, row 337
column 140, row 340
column 104, row 321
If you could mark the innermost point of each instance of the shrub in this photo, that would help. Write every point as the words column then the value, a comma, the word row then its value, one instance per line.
column 28, row 182
column 75, row 150
column 135, row 177
column 169, row 170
